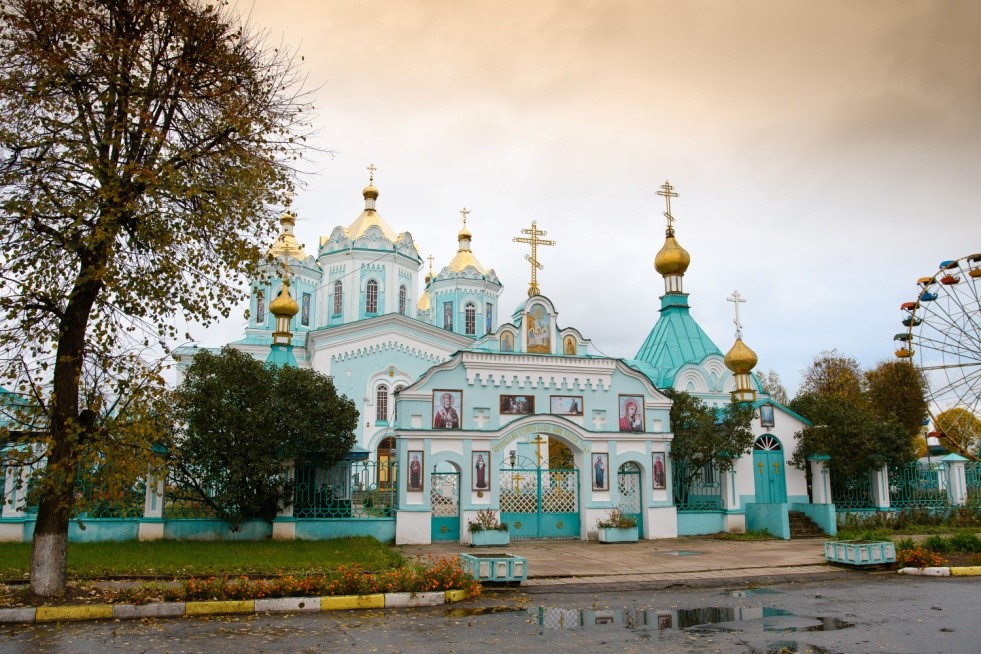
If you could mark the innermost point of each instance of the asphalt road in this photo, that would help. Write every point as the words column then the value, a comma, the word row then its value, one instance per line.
column 850, row 614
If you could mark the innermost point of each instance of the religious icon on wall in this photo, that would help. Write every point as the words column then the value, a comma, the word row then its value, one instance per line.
column 507, row 342
column 446, row 409
column 448, row 316
column 631, row 413
column 489, row 318
column 601, row 466
column 305, row 310
column 260, row 307
column 566, row 405
column 570, row 346
column 766, row 416
column 658, row 473
column 480, row 471
column 520, row 405
column 539, row 330
column 664, row 620
column 415, row 470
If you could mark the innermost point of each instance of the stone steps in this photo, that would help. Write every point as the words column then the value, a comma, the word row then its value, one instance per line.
column 803, row 527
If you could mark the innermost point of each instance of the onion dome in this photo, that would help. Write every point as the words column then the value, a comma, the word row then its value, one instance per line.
column 370, row 192
column 672, row 259
column 740, row 359
column 286, row 244
column 284, row 305
column 464, row 256
column 425, row 302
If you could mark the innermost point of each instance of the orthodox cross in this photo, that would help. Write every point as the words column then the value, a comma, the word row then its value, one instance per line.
column 538, row 442
column 517, row 478
column 533, row 239
column 371, row 173
column 736, row 299
column 667, row 192
column 430, row 258
column 464, row 212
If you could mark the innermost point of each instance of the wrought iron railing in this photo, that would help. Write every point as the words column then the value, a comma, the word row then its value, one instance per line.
column 852, row 493
column 182, row 501
column 918, row 486
column 350, row 489
column 972, row 470
column 700, row 491
column 96, row 499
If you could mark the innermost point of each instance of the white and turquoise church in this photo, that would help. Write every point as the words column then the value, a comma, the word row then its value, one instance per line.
column 485, row 409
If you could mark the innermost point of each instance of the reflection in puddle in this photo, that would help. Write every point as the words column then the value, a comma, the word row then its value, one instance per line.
column 750, row 592
column 683, row 553
column 793, row 647
column 705, row 619
column 482, row 610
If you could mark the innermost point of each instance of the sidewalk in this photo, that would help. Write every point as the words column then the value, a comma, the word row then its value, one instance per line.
column 552, row 562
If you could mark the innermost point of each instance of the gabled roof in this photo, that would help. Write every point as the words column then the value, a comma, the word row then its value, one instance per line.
column 676, row 340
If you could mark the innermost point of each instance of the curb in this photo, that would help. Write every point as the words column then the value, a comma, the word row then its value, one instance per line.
column 969, row 571
column 186, row 609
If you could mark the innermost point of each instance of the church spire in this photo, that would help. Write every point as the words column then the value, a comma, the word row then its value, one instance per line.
column 672, row 261
column 740, row 359
column 284, row 307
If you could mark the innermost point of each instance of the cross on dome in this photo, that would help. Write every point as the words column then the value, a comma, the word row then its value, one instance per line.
column 533, row 239
column 667, row 192
column 371, row 173
column 464, row 212
column 737, row 299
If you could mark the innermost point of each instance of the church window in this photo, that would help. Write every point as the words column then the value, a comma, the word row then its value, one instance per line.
column 381, row 403
column 470, row 319
column 371, row 297
column 386, row 461
column 403, row 296
column 448, row 316
column 338, row 297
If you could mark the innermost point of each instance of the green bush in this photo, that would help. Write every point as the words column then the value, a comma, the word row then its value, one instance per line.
column 937, row 544
column 965, row 542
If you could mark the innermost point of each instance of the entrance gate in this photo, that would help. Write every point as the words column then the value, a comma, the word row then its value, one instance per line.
column 446, row 506
column 540, row 502
column 628, row 482
column 771, row 479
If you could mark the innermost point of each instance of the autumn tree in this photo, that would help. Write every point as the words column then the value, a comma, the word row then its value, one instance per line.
column 143, row 147
column 705, row 435
column 773, row 386
column 834, row 374
column 242, row 422
column 898, row 389
column 960, row 431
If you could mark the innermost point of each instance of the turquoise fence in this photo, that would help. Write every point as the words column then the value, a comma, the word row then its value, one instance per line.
column 96, row 499
column 972, row 470
column 917, row 486
column 852, row 493
column 181, row 501
column 699, row 492
column 350, row 489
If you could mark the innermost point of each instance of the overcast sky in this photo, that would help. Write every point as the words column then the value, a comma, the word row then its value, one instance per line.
column 827, row 153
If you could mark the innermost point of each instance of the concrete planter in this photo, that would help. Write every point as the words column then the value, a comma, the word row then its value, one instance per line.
column 618, row 534
column 856, row 552
column 495, row 567
column 490, row 538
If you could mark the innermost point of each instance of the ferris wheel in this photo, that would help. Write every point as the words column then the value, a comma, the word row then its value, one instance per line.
column 943, row 338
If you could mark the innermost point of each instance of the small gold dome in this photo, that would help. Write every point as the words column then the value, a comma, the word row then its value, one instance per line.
column 284, row 305
column 465, row 232
column 672, row 259
column 425, row 303
column 370, row 192
column 740, row 359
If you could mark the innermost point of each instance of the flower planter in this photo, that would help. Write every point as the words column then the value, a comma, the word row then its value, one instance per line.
column 495, row 567
column 618, row 534
column 489, row 538
column 856, row 552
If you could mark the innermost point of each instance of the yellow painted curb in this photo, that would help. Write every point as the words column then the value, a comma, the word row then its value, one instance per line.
column 346, row 602
column 456, row 596
column 210, row 608
column 969, row 571
column 59, row 613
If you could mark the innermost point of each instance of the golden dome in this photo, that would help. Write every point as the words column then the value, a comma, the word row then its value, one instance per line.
column 284, row 305
column 370, row 192
column 465, row 232
column 740, row 359
column 425, row 303
column 286, row 244
column 672, row 259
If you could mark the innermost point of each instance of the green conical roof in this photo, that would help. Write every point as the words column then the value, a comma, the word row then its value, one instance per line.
column 676, row 340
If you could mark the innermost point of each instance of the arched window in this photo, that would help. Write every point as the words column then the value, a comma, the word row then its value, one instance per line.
column 403, row 297
column 470, row 319
column 395, row 404
column 386, row 461
column 371, row 297
column 338, row 297
column 381, row 403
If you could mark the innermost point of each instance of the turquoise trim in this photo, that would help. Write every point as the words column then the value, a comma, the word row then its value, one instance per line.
column 382, row 529
column 698, row 524
column 773, row 518
column 216, row 530
column 953, row 457
column 823, row 515
column 758, row 403
column 281, row 356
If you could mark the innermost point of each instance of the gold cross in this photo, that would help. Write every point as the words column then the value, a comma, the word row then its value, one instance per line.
column 430, row 258
column 371, row 174
column 518, row 478
column 534, row 241
column 538, row 442
column 667, row 192
column 464, row 212
column 736, row 299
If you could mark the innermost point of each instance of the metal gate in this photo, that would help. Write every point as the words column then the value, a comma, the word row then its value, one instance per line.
column 446, row 506
column 540, row 502
column 628, row 482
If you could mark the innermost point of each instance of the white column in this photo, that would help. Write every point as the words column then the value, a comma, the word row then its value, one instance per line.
column 14, row 484
column 820, row 479
column 956, row 479
column 284, row 526
column 152, row 525
column 880, row 488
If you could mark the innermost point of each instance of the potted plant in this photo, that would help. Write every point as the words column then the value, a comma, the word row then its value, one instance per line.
column 486, row 531
column 617, row 527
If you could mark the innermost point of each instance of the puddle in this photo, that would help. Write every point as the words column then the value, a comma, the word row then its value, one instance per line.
column 683, row 553
column 705, row 619
column 483, row 610
column 793, row 647
column 750, row 592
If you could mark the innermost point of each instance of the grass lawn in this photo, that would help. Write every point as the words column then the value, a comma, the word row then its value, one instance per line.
column 193, row 558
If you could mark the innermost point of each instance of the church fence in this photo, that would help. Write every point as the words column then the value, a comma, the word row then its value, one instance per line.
column 701, row 492
column 852, row 493
column 918, row 486
column 972, row 471
column 350, row 489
